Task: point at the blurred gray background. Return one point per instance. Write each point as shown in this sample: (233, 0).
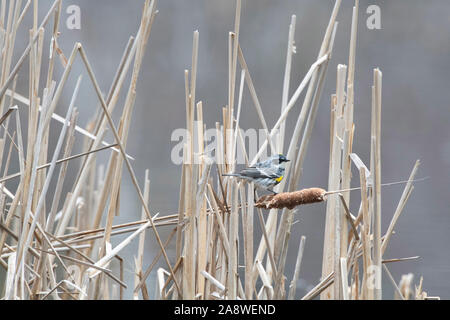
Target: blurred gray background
(412, 50)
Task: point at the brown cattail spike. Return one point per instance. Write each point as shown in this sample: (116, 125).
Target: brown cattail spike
(291, 199)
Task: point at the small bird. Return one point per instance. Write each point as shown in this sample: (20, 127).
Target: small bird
(266, 174)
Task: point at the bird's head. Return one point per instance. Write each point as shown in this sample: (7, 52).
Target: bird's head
(282, 158)
(278, 160)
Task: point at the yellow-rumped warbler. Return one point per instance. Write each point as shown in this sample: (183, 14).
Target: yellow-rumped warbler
(265, 174)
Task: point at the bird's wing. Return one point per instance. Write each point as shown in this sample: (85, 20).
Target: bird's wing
(259, 173)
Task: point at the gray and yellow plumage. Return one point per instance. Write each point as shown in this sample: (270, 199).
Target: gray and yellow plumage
(266, 174)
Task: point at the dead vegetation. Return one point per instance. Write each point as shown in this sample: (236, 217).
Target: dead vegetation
(45, 237)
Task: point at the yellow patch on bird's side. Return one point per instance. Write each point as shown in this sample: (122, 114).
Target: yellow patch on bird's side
(279, 179)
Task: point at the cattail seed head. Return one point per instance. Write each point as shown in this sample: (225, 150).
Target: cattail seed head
(291, 199)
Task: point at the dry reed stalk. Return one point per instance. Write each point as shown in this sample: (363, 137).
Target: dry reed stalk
(51, 217)
(40, 204)
(219, 220)
(146, 22)
(344, 278)
(349, 125)
(60, 119)
(248, 243)
(188, 284)
(327, 46)
(320, 287)
(376, 192)
(291, 104)
(398, 293)
(403, 199)
(140, 257)
(111, 124)
(101, 131)
(255, 99)
(291, 49)
(201, 205)
(365, 236)
(141, 285)
(208, 240)
(5, 82)
(293, 284)
(339, 217)
(332, 237)
(233, 238)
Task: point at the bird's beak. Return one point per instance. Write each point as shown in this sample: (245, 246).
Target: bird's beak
(287, 160)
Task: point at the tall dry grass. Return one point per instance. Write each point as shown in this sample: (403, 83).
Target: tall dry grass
(43, 236)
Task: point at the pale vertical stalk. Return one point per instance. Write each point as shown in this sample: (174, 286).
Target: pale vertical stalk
(232, 76)
(19, 191)
(287, 218)
(9, 283)
(286, 80)
(332, 239)
(248, 226)
(191, 184)
(201, 207)
(349, 126)
(210, 254)
(233, 238)
(2, 14)
(140, 257)
(50, 171)
(57, 194)
(312, 114)
(181, 209)
(51, 63)
(232, 61)
(31, 137)
(189, 236)
(192, 88)
(377, 179)
(126, 117)
(8, 48)
(31, 168)
(238, 117)
(44, 148)
(344, 276)
(365, 235)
